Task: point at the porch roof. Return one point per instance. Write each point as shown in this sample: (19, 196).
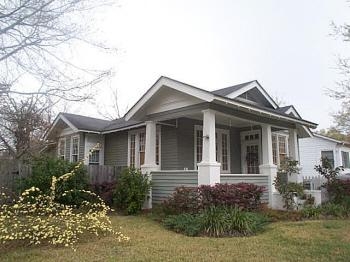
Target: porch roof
(215, 97)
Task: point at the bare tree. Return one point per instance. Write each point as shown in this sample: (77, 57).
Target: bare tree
(342, 92)
(34, 37)
(23, 121)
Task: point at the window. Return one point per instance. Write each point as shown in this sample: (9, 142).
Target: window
(62, 148)
(329, 155)
(132, 150)
(279, 148)
(137, 147)
(94, 158)
(75, 149)
(345, 159)
(222, 145)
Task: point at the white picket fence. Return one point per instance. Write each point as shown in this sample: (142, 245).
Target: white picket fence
(313, 182)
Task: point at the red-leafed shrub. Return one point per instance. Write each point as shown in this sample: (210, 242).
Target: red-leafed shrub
(339, 190)
(194, 199)
(243, 195)
(105, 190)
(183, 200)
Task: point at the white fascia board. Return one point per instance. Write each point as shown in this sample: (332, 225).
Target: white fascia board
(167, 82)
(329, 138)
(251, 86)
(64, 119)
(262, 111)
(293, 111)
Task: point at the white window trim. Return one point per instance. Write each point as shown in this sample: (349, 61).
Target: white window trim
(219, 131)
(59, 146)
(137, 145)
(244, 145)
(278, 134)
(71, 147)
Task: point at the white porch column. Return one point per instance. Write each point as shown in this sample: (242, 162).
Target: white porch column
(294, 152)
(267, 167)
(209, 169)
(150, 156)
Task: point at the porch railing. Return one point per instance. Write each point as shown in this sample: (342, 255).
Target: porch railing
(313, 182)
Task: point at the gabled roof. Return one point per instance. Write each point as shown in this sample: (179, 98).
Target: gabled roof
(228, 90)
(289, 110)
(237, 91)
(86, 123)
(332, 139)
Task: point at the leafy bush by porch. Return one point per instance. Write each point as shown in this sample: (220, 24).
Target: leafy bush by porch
(193, 200)
(131, 191)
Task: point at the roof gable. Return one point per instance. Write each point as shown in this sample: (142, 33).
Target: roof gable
(250, 92)
(172, 85)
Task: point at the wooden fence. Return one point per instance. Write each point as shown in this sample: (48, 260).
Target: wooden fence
(313, 182)
(11, 173)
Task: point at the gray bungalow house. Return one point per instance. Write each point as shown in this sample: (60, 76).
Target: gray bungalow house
(184, 135)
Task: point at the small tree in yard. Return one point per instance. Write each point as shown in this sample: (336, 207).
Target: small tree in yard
(288, 190)
(131, 191)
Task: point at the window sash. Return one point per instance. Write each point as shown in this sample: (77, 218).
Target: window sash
(94, 157)
(279, 148)
(329, 154)
(75, 149)
(62, 148)
(345, 159)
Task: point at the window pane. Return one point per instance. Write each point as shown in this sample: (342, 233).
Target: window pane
(274, 149)
(94, 158)
(329, 155)
(224, 149)
(199, 145)
(75, 149)
(61, 148)
(282, 148)
(157, 148)
(345, 159)
(132, 150)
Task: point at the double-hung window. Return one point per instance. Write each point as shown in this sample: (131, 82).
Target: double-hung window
(279, 148)
(62, 148)
(222, 147)
(74, 149)
(329, 155)
(345, 159)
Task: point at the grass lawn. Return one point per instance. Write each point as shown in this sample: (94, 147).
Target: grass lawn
(327, 240)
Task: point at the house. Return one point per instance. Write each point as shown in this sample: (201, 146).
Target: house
(233, 134)
(314, 148)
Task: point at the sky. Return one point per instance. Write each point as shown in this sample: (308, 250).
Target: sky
(285, 45)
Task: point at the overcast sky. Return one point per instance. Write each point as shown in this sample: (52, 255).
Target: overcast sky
(285, 45)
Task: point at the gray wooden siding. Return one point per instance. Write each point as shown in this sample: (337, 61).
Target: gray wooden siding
(260, 180)
(116, 149)
(165, 182)
(178, 146)
(169, 148)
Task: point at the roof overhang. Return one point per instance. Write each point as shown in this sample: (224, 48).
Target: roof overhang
(333, 140)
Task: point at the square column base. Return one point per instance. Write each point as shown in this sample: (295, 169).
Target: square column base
(271, 172)
(208, 173)
(147, 169)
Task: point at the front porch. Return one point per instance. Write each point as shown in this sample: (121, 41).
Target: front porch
(218, 148)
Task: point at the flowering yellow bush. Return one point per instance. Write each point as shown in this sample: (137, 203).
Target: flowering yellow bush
(36, 218)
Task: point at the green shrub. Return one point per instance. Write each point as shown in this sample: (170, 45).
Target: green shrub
(228, 221)
(311, 212)
(131, 191)
(44, 168)
(188, 224)
(215, 221)
(334, 210)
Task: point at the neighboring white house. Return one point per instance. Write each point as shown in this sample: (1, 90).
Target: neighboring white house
(312, 149)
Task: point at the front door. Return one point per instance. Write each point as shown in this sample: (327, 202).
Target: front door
(250, 142)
